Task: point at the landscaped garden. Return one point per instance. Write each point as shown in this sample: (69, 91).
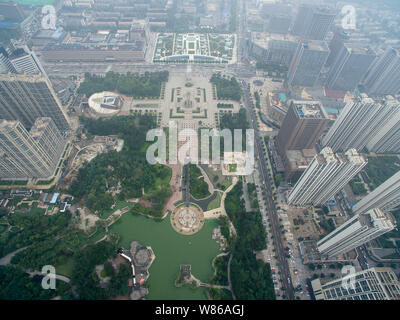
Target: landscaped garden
(198, 187)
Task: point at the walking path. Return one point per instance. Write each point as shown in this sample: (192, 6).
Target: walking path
(7, 259)
(214, 286)
(211, 188)
(58, 276)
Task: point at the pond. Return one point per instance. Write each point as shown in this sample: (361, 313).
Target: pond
(171, 250)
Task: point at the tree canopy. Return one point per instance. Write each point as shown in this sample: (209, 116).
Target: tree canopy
(147, 85)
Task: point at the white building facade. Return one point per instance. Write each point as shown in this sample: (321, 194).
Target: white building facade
(326, 175)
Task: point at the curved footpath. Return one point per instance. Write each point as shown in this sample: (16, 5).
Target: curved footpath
(7, 259)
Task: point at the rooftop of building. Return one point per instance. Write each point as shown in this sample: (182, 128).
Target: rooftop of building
(300, 159)
(7, 124)
(315, 45)
(324, 10)
(18, 53)
(309, 109)
(359, 48)
(355, 157)
(39, 126)
(263, 38)
(121, 46)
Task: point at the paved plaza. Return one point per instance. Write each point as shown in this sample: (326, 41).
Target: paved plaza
(187, 99)
(187, 220)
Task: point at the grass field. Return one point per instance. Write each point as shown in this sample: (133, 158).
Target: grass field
(216, 203)
(119, 205)
(66, 268)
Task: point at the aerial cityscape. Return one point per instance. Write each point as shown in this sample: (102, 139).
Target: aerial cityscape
(200, 150)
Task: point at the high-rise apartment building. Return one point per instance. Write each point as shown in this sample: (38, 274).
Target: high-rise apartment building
(355, 232)
(313, 22)
(25, 155)
(326, 175)
(307, 63)
(350, 65)
(303, 125)
(28, 97)
(370, 284)
(361, 122)
(5, 63)
(46, 135)
(335, 45)
(21, 60)
(386, 196)
(388, 138)
(383, 77)
(26, 61)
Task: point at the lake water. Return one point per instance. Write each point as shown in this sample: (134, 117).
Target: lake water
(171, 250)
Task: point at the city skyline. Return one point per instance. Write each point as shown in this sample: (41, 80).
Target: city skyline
(118, 180)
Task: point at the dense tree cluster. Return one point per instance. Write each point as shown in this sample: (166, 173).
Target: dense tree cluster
(198, 187)
(129, 167)
(15, 284)
(87, 282)
(235, 121)
(327, 224)
(227, 88)
(357, 186)
(33, 228)
(251, 278)
(257, 98)
(147, 85)
(221, 267)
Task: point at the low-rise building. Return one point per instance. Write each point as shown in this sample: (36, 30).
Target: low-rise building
(370, 284)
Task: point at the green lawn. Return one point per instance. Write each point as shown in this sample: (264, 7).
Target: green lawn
(119, 205)
(233, 167)
(66, 268)
(216, 203)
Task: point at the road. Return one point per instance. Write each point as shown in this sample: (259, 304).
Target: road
(266, 186)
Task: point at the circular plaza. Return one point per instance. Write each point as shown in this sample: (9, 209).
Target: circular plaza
(187, 220)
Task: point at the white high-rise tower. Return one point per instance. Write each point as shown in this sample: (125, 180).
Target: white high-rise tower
(325, 176)
(386, 196)
(361, 122)
(355, 232)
